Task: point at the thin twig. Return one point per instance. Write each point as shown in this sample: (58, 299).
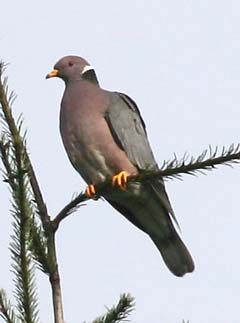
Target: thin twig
(68, 209)
(42, 208)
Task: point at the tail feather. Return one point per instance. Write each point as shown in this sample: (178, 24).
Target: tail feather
(175, 255)
(148, 207)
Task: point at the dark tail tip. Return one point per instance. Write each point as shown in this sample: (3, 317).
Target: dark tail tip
(175, 255)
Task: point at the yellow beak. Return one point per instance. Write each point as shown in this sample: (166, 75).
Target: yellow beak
(53, 73)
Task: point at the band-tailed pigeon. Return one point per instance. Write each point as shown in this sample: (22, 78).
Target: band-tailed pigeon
(105, 137)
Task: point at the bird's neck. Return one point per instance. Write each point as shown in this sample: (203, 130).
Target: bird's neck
(80, 84)
(86, 79)
(90, 76)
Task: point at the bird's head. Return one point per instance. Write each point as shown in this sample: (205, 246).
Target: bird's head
(71, 68)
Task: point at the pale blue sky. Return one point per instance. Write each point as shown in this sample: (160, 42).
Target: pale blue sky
(179, 60)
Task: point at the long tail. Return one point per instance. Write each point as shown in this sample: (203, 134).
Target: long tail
(150, 210)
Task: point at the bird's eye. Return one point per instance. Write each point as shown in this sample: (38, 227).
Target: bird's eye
(70, 64)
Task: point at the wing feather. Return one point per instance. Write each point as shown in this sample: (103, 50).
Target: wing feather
(128, 129)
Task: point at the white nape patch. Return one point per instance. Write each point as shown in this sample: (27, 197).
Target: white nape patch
(87, 68)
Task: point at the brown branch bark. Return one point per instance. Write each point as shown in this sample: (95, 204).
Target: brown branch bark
(54, 279)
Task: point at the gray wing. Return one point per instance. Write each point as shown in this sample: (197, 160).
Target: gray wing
(128, 129)
(129, 132)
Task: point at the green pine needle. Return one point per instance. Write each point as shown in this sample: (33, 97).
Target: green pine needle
(39, 248)
(6, 309)
(13, 154)
(120, 312)
(208, 160)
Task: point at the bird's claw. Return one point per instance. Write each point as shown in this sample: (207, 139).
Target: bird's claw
(90, 191)
(120, 180)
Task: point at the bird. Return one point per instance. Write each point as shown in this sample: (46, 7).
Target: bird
(105, 137)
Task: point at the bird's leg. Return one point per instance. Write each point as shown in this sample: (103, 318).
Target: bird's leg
(120, 180)
(90, 191)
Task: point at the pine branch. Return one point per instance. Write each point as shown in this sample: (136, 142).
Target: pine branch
(11, 130)
(175, 168)
(207, 161)
(19, 173)
(120, 312)
(6, 309)
(16, 174)
(22, 211)
(22, 264)
(39, 248)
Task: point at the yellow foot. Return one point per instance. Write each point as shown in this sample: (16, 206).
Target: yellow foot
(90, 191)
(120, 180)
